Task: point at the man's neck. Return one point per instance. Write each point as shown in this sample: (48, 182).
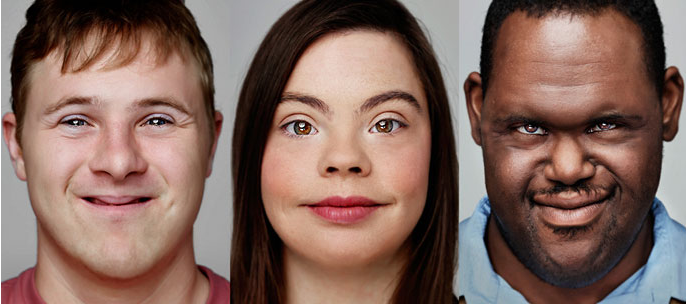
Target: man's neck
(535, 290)
(60, 279)
(310, 283)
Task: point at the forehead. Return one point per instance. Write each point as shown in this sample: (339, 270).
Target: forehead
(563, 57)
(355, 65)
(146, 76)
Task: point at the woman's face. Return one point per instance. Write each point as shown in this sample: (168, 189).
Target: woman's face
(346, 166)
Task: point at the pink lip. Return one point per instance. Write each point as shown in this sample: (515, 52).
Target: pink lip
(347, 210)
(116, 200)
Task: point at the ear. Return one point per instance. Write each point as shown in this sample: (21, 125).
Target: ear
(672, 98)
(9, 130)
(473, 91)
(218, 121)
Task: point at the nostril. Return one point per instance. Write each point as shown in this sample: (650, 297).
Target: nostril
(355, 169)
(331, 170)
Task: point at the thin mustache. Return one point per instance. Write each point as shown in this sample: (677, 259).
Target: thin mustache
(580, 188)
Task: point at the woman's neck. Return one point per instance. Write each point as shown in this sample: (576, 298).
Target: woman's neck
(310, 282)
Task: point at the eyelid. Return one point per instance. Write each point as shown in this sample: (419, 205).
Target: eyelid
(540, 131)
(69, 117)
(291, 124)
(166, 117)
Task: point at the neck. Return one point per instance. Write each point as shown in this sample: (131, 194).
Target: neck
(309, 282)
(535, 290)
(62, 279)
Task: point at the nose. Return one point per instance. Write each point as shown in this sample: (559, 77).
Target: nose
(568, 162)
(344, 157)
(118, 154)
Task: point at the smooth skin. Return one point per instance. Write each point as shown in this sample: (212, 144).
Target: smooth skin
(569, 105)
(346, 147)
(136, 130)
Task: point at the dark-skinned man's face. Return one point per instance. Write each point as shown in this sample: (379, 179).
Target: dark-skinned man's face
(571, 128)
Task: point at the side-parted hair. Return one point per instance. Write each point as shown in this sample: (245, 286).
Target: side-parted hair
(83, 32)
(643, 13)
(257, 274)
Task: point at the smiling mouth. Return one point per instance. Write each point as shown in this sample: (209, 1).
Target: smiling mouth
(116, 201)
(572, 208)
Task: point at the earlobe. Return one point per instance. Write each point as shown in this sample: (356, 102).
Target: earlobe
(218, 121)
(473, 91)
(9, 129)
(672, 98)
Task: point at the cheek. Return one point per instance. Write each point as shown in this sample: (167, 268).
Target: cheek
(284, 168)
(404, 169)
(508, 170)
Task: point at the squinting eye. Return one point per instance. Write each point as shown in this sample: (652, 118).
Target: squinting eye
(300, 128)
(531, 129)
(603, 126)
(157, 121)
(386, 126)
(75, 122)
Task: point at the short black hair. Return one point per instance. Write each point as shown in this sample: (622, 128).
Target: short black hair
(643, 13)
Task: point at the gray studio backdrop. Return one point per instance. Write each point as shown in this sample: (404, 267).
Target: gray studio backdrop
(233, 29)
(671, 191)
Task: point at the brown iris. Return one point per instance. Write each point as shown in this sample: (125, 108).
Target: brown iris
(302, 128)
(384, 126)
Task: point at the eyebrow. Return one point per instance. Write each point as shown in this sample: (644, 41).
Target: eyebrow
(165, 102)
(74, 100)
(368, 104)
(143, 103)
(376, 100)
(308, 100)
(513, 119)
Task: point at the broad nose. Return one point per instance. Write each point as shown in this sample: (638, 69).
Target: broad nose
(569, 162)
(345, 156)
(118, 154)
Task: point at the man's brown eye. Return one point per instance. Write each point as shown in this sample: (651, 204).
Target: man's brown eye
(531, 129)
(603, 126)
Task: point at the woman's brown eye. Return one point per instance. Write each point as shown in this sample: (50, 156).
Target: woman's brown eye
(386, 126)
(300, 128)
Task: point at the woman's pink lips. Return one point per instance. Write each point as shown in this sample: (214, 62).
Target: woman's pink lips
(347, 210)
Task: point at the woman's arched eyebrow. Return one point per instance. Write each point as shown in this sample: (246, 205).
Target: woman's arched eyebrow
(368, 104)
(376, 100)
(308, 100)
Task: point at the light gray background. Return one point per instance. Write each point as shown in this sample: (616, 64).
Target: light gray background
(236, 28)
(671, 191)
(212, 231)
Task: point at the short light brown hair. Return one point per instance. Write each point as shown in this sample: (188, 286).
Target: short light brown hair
(84, 31)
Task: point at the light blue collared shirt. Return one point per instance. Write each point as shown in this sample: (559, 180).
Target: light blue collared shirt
(661, 278)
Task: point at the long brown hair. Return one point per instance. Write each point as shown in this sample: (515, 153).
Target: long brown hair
(256, 255)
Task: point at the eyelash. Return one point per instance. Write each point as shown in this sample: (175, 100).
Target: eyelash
(69, 120)
(395, 126)
(594, 129)
(289, 128)
(77, 121)
(163, 119)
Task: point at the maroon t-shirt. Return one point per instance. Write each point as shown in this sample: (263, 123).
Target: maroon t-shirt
(22, 289)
